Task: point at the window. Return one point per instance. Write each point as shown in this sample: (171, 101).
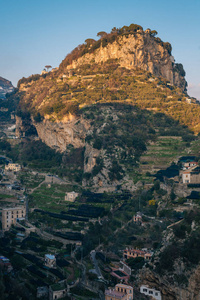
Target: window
(144, 290)
(130, 291)
(156, 294)
(151, 292)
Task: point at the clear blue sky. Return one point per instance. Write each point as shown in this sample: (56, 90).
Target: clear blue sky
(35, 33)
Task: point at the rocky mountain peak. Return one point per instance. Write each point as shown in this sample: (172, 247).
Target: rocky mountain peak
(5, 87)
(132, 49)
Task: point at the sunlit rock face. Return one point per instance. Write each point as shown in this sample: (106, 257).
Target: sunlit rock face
(138, 51)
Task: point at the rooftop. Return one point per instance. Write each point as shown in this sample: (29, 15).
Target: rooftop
(50, 256)
(121, 285)
(114, 293)
(58, 286)
(14, 208)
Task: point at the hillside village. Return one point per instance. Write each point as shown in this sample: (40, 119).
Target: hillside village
(100, 176)
(26, 229)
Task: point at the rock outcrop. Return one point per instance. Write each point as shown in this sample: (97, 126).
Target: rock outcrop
(59, 135)
(138, 51)
(5, 87)
(171, 290)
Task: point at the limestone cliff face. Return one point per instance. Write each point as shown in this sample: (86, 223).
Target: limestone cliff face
(90, 158)
(140, 50)
(59, 135)
(169, 289)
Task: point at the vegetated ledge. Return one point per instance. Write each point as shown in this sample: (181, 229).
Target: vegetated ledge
(63, 101)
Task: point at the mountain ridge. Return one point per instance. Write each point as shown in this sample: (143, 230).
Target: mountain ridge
(134, 49)
(83, 103)
(5, 87)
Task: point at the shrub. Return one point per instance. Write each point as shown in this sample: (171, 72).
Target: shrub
(38, 118)
(179, 231)
(97, 143)
(136, 263)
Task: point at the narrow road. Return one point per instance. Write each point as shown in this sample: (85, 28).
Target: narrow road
(95, 263)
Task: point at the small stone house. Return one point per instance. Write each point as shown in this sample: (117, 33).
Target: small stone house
(71, 196)
(138, 218)
(50, 261)
(133, 253)
(57, 291)
(191, 175)
(13, 167)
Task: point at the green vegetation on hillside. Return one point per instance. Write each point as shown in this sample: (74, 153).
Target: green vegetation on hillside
(123, 133)
(38, 156)
(184, 245)
(106, 83)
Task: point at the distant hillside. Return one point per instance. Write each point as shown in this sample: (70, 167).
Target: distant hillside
(5, 87)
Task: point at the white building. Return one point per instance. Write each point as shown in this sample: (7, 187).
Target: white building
(189, 164)
(150, 292)
(71, 196)
(191, 175)
(186, 176)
